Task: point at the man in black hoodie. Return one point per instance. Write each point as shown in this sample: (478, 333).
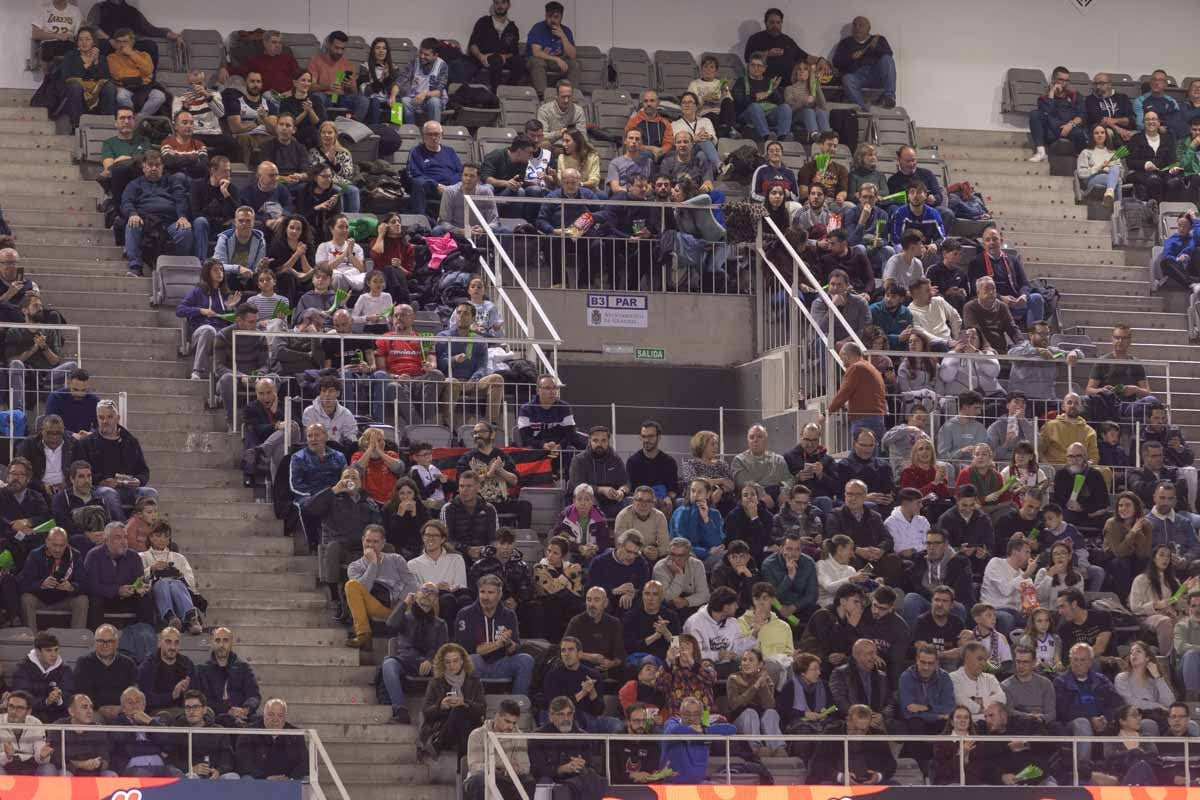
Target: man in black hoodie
(495, 43)
(229, 681)
(600, 467)
(813, 467)
(276, 757)
(650, 624)
(45, 677)
(116, 457)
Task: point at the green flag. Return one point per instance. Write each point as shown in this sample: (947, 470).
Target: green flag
(228, 317)
(6, 560)
(1121, 153)
(665, 772)
(397, 114)
(339, 297)
(778, 606)
(895, 197)
(1077, 486)
(45, 527)
(1030, 773)
(281, 310)
(822, 161)
(388, 312)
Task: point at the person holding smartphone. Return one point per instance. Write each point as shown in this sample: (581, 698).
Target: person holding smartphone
(454, 704)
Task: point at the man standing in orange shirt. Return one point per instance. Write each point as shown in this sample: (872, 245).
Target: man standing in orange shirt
(862, 393)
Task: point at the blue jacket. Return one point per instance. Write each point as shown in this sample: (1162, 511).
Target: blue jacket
(473, 367)
(550, 217)
(472, 628)
(196, 299)
(930, 223)
(255, 198)
(800, 591)
(689, 759)
(1062, 109)
(103, 576)
(38, 567)
(968, 209)
(1180, 534)
(686, 522)
(1176, 245)
(857, 232)
(310, 474)
(231, 685)
(223, 252)
(1093, 697)
(892, 322)
(937, 693)
(166, 199)
(441, 167)
(78, 414)
(1166, 106)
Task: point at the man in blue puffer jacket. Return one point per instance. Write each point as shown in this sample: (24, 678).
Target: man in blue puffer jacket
(689, 760)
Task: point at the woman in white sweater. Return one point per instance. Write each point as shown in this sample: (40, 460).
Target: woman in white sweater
(1059, 576)
(958, 375)
(1150, 597)
(1098, 173)
(172, 581)
(834, 569)
(1142, 685)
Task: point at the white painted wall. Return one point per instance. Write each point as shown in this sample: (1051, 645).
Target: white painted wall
(952, 55)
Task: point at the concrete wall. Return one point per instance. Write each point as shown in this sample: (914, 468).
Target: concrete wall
(694, 329)
(951, 55)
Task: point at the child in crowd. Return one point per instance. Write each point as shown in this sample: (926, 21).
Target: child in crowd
(428, 477)
(1111, 452)
(999, 653)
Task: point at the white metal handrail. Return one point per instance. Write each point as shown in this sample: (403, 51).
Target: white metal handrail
(495, 750)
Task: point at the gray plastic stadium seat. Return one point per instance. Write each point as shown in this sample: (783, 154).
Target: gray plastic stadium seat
(593, 68)
(633, 77)
(729, 65)
(459, 139)
(516, 111)
(673, 78)
(489, 139)
(416, 222)
(519, 92)
(303, 46)
(891, 130)
(74, 637)
(93, 130)
(1081, 82)
(357, 49)
(794, 156)
(435, 435)
(1022, 88)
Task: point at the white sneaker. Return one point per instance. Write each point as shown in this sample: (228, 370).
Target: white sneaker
(196, 376)
(1038, 157)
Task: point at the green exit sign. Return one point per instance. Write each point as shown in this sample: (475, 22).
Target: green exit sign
(650, 354)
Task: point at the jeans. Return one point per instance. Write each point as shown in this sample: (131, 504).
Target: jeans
(358, 105)
(153, 102)
(779, 116)
(419, 408)
(814, 119)
(171, 597)
(1189, 665)
(915, 605)
(182, 243)
(16, 379)
(709, 151)
(74, 108)
(1035, 309)
(351, 199)
(873, 424)
(750, 723)
(517, 667)
(1045, 132)
(881, 74)
(424, 194)
(1008, 620)
(1109, 180)
(393, 672)
(200, 233)
(430, 109)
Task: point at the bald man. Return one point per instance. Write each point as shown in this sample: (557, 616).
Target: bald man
(228, 682)
(600, 633)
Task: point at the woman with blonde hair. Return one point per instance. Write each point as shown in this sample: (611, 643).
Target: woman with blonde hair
(578, 153)
(706, 463)
(807, 100)
(929, 476)
(454, 704)
(864, 168)
(330, 152)
(378, 466)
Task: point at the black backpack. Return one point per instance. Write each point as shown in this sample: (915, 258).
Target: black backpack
(741, 163)
(473, 95)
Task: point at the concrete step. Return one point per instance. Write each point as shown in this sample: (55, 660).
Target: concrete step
(45, 189)
(227, 544)
(195, 421)
(234, 506)
(1002, 179)
(402, 735)
(1006, 207)
(29, 141)
(16, 97)
(268, 600)
(21, 217)
(97, 296)
(334, 675)
(1077, 241)
(138, 368)
(1102, 302)
(340, 695)
(133, 316)
(1135, 319)
(1012, 224)
(1146, 336)
(1029, 199)
(281, 618)
(104, 384)
(85, 203)
(283, 581)
(28, 127)
(958, 153)
(1064, 255)
(372, 753)
(226, 497)
(74, 236)
(195, 460)
(191, 441)
(289, 565)
(1071, 270)
(382, 774)
(1181, 351)
(1072, 287)
(36, 155)
(31, 113)
(161, 350)
(215, 478)
(83, 270)
(931, 137)
(331, 635)
(314, 657)
(63, 284)
(104, 335)
(384, 791)
(15, 170)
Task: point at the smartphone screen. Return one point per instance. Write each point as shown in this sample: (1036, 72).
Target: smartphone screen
(20, 273)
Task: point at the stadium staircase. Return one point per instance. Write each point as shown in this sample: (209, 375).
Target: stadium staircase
(1099, 285)
(250, 574)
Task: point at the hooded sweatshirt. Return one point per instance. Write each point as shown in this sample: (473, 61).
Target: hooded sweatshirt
(716, 636)
(340, 424)
(907, 534)
(39, 681)
(774, 639)
(689, 759)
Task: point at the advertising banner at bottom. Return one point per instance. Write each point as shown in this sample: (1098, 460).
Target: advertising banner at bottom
(785, 792)
(21, 787)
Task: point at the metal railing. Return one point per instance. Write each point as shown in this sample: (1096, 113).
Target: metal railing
(495, 757)
(614, 263)
(56, 736)
(546, 348)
